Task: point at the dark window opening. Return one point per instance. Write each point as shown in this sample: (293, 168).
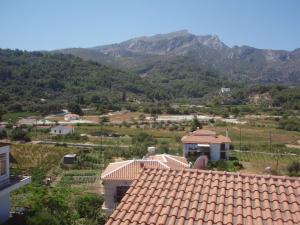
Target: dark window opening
(121, 191)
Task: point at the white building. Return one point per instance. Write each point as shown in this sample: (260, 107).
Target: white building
(7, 183)
(205, 142)
(118, 176)
(62, 130)
(71, 117)
(225, 90)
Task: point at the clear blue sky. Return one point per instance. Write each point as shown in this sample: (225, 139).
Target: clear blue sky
(53, 24)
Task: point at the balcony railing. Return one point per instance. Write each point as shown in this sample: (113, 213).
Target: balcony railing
(13, 181)
(4, 182)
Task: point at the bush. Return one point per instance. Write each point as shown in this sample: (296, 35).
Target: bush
(88, 205)
(195, 124)
(225, 165)
(294, 169)
(3, 134)
(44, 218)
(19, 135)
(291, 124)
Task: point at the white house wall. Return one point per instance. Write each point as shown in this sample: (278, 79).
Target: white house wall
(110, 189)
(62, 131)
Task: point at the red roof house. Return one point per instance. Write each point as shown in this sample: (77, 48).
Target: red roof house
(190, 197)
(118, 176)
(205, 142)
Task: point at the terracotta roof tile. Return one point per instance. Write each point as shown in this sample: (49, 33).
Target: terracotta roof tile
(128, 170)
(192, 139)
(164, 196)
(202, 132)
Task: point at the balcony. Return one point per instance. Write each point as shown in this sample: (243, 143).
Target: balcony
(12, 183)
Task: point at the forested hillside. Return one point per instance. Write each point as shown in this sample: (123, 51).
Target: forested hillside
(28, 77)
(44, 82)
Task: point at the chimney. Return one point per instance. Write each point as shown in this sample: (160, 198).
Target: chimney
(226, 132)
(151, 150)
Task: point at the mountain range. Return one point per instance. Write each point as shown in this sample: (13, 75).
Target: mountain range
(146, 57)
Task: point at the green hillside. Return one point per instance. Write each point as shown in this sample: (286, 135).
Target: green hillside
(28, 77)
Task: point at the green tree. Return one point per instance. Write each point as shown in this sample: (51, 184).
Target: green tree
(140, 142)
(195, 124)
(104, 119)
(2, 112)
(75, 108)
(19, 135)
(88, 205)
(43, 218)
(3, 134)
(294, 168)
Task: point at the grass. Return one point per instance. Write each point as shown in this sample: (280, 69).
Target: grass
(255, 138)
(14, 117)
(256, 163)
(32, 158)
(252, 135)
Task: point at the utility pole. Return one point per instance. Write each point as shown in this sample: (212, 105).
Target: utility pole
(101, 135)
(270, 141)
(101, 143)
(35, 128)
(240, 138)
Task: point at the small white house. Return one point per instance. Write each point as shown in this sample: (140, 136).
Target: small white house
(71, 117)
(63, 130)
(118, 176)
(205, 142)
(225, 90)
(8, 183)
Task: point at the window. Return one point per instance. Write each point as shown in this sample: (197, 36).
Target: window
(2, 164)
(121, 190)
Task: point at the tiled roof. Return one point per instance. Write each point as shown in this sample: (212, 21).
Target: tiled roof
(196, 139)
(201, 132)
(62, 127)
(161, 196)
(173, 162)
(71, 115)
(129, 170)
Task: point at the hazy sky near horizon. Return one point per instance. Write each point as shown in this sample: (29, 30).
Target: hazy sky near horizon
(55, 24)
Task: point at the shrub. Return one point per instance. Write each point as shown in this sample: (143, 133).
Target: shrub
(87, 205)
(3, 134)
(292, 124)
(19, 135)
(44, 218)
(294, 168)
(195, 124)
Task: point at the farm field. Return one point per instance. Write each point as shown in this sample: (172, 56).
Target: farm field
(255, 137)
(44, 161)
(253, 155)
